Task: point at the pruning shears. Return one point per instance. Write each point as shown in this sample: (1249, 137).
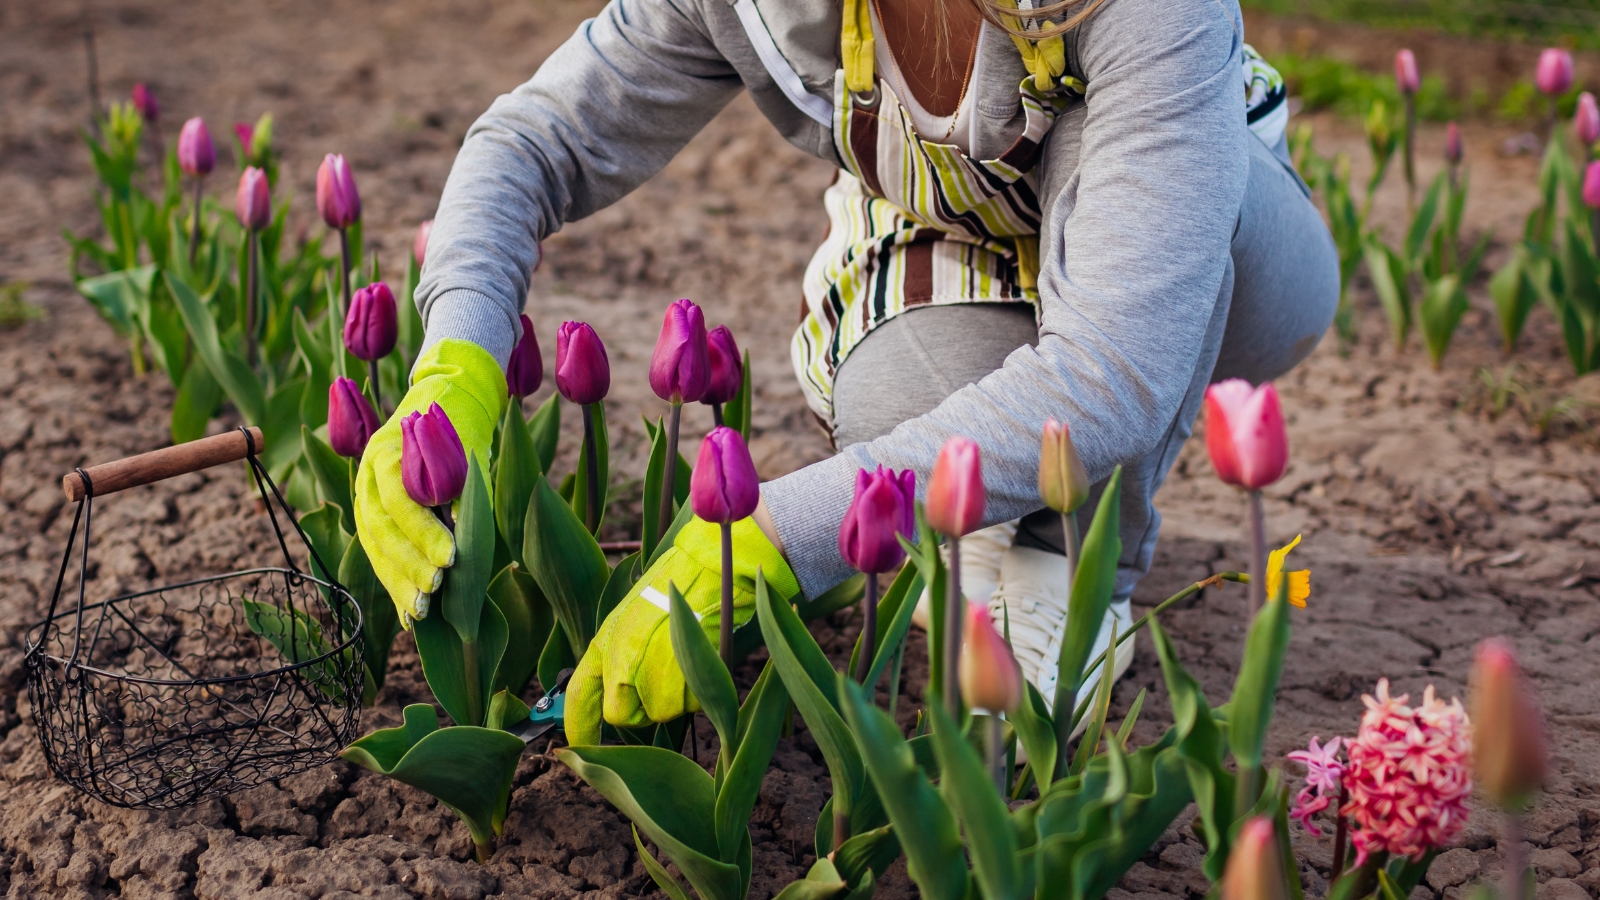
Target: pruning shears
(547, 711)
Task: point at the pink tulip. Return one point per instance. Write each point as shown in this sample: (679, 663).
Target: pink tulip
(1453, 150)
(990, 678)
(337, 198)
(1405, 72)
(525, 370)
(246, 133)
(253, 203)
(679, 367)
(372, 324)
(884, 508)
(727, 366)
(419, 247)
(1591, 185)
(955, 492)
(724, 487)
(583, 372)
(1509, 749)
(145, 103)
(1255, 869)
(1586, 121)
(351, 419)
(1245, 433)
(197, 155)
(1554, 75)
(433, 464)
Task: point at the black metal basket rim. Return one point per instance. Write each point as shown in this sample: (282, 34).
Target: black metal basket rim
(36, 656)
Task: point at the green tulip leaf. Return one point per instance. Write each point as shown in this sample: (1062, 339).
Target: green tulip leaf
(969, 790)
(237, 380)
(895, 607)
(622, 579)
(379, 621)
(280, 431)
(760, 723)
(1037, 734)
(704, 674)
(195, 404)
(658, 872)
(580, 483)
(1092, 588)
(822, 882)
(318, 362)
(517, 467)
(654, 480)
(298, 638)
(556, 655)
(324, 528)
(1201, 745)
(545, 429)
(528, 624)
(1250, 710)
(332, 473)
(565, 560)
(466, 583)
(460, 673)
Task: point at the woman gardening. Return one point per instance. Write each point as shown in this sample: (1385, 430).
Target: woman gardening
(1083, 211)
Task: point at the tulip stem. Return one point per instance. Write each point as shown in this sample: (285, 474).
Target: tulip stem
(591, 459)
(1341, 832)
(716, 415)
(1410, 151)
(997, 759)
(952, 629)
(670, 473)
(1072, 545)
(869, 629)
(372, 375)
(252, 265)
(1258, 554)
(894, 676)
(344, 271)
(1515, 860)
(725, 642)
(442, 513)
(194, 227)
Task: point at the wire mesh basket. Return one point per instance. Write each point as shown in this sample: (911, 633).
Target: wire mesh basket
(156, 698)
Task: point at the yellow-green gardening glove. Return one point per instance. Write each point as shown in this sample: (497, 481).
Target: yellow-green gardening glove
(630, 674)
(408, 546)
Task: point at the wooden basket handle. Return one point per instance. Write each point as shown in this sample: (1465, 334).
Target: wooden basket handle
(147, 468)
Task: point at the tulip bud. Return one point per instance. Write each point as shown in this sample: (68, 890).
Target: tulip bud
(724, 487)
(884, 507)
(1586, 121)
(1508, 731)
(372, 324)
(1255, 869)
(1063, 482)
(727, 366)
(246, 133)
(419, 247)
(433, 464)
(1377, 125)
(525, 370)
(197, 155)
(145, 103)
(955, 492)
(337, 198)
(351, 419)
(583, 373)
(1405, 72)
(1591, 185)
(679, 367)
(1453, 150)
(1554, 75)
(1245, 434)
(253, 203)
(990, 678)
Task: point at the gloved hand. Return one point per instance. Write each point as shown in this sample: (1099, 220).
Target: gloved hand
(630, 673)
(408, 546)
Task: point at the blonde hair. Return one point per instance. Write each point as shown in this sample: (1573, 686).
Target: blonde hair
(1010, 18)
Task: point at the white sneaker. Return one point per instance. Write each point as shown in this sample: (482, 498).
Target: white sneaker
(981, 553)
(1033, 593)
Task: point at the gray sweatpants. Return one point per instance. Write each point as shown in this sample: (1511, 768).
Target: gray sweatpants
(1278, 298)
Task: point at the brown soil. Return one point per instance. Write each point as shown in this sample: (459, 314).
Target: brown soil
(1429, 524)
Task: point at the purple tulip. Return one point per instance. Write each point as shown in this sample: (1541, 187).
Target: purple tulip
(884, 507)
(246, 133)
(145, 103)
(372, 325)
(419, 248)
(727, 366)
(525, 371)
(351, 419)
(1453, 150)
(1591, 185)
(1586, 121)
(337, 198)
(724, 487)
(253, 203)
(433, 464)
(679, 368)
(1405, 72)
(1554, 75)
(583, 373)
(197, 155)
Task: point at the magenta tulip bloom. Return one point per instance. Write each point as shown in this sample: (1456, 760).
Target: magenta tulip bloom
(525, 370)
(583, 373)
(1591, 185)
(955, 492)
(1586, 121)
(351, 419)
(679, 367)
(372, 324)
(253, 203)
(433, 464)
(419, 246)
(884, 507)
(337, 198)
(1554, 75)
(1245, 433)
(145, 103)
(246, 133)
(1405, 72)
(727, 366)
(724, 487)
(197, 155)
(1453, 150)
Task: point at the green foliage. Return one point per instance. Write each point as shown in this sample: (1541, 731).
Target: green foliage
(1322, 82)
(563, 557)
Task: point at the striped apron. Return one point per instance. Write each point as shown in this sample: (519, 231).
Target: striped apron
(916, 223)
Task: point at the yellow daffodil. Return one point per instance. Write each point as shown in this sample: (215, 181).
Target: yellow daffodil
(1299, 582)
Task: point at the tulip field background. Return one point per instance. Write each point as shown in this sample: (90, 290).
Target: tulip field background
(1438, 508)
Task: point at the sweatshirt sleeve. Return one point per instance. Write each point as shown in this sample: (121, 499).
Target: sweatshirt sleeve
(1138, 219)
(603, 113)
